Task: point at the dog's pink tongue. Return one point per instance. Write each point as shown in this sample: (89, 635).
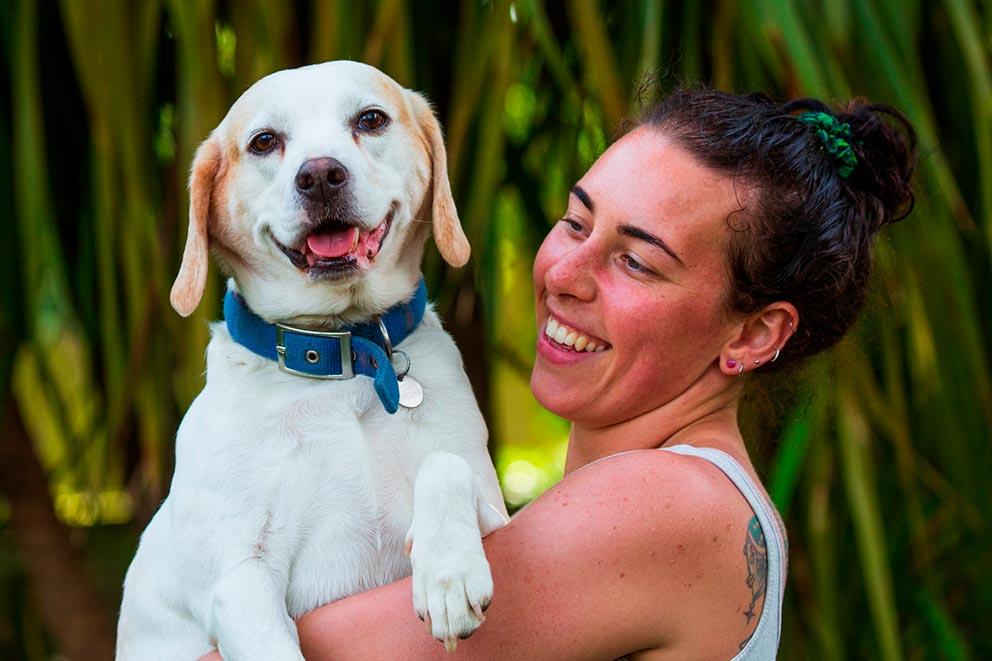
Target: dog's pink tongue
(329, 245)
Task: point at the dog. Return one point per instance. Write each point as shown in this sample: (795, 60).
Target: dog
(316, 194)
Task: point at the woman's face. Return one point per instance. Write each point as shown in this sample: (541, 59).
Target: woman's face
(631, 283)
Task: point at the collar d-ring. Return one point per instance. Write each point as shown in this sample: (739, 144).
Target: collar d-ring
(386, 342)
(388, 346)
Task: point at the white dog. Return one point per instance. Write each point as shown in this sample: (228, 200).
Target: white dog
(316, 192)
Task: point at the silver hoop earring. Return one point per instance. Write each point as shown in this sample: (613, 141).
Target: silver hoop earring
(740, 370)
(777, 352)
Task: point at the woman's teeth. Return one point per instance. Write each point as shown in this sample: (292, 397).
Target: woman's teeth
(562, 334)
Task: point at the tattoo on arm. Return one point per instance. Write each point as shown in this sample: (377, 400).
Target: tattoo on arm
(756, 555)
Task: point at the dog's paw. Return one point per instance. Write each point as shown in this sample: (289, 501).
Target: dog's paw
(452, 585)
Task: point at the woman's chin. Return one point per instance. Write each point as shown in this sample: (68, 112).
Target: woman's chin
(555, 395)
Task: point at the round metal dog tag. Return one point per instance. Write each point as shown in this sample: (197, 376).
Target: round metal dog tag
(411, 392)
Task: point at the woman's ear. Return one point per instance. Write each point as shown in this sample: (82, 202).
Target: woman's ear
(448, 234)
(760, 339)
(187, 290)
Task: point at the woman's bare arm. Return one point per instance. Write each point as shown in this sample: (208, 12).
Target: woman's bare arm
(611, 560)
(601, 565)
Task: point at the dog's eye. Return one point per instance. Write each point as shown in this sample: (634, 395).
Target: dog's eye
(371, 120)
(263, 142)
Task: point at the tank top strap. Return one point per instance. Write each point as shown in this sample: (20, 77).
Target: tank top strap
(763, 643)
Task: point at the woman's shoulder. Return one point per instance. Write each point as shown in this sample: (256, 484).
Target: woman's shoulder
(671, 529)
(657, 481)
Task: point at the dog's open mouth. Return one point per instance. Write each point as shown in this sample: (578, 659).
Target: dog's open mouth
(335, 249)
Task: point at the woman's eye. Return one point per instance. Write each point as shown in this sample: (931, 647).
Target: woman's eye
(573, 225)
(635, 265)
(263, 142)
(371, 120)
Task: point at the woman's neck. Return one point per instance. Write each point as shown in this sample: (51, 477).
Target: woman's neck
(706, 412)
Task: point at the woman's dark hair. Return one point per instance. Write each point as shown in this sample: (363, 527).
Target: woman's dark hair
(805, 233)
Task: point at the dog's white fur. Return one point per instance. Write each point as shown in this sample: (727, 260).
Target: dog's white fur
(292, 492)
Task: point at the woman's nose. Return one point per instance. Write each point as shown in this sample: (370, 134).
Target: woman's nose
(573, 273)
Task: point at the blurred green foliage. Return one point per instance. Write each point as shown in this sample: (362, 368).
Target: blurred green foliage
(878, 457)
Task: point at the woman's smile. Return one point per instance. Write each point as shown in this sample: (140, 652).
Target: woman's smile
(563, 342)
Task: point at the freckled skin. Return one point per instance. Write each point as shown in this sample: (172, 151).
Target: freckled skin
(582, 275)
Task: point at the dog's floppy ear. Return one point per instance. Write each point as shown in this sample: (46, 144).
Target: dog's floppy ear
(187, 290)
(448, 234)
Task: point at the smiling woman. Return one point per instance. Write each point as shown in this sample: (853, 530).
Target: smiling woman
(638, 262)
(720, 236)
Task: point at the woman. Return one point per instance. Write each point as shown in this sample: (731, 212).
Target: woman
(722, 235)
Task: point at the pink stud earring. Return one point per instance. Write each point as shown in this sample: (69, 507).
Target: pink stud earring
(731, 363)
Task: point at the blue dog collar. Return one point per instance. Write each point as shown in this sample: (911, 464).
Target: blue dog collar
(364, 349)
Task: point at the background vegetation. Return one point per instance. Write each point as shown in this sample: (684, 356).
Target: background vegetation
(878, 458)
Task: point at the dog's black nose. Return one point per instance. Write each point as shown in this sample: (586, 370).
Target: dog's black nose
(321, 178)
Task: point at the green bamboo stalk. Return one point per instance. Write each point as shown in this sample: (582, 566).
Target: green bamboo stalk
(474, 52)
(598, 58)
(386, 19)
(692, 41)
(550, 50)
(791, 456)
(821, 545)
(400, 55)
(42, 264)
(837, 21)
(809, 68)
(262, 30)
(324, 44)
(855, 439)
(724, 28)
(651, 32)
(976, 56)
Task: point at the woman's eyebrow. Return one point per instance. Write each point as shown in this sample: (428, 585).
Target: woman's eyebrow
(583, 196)
(638, 233)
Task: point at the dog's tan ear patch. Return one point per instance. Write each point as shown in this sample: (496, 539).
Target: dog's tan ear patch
(448, 234)
(188, 288)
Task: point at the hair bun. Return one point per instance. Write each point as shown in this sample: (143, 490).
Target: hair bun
(885, 143)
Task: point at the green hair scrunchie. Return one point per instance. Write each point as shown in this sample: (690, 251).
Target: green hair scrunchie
(836, 137)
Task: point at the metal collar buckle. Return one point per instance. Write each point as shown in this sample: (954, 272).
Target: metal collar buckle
(344, 341)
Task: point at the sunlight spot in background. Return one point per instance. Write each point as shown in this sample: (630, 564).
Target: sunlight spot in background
(226, 47)
(519, 106)
(85, 508)
(525, 472)
(521, 478)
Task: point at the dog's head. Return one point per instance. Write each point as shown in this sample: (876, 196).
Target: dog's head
(316, 192)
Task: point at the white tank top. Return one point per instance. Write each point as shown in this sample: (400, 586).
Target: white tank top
(763, 643)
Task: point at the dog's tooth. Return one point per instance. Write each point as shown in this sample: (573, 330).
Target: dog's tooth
(354, 240)
(580, 342)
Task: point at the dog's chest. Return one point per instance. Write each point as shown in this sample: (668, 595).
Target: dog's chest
(336, 478)
(354, 528)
